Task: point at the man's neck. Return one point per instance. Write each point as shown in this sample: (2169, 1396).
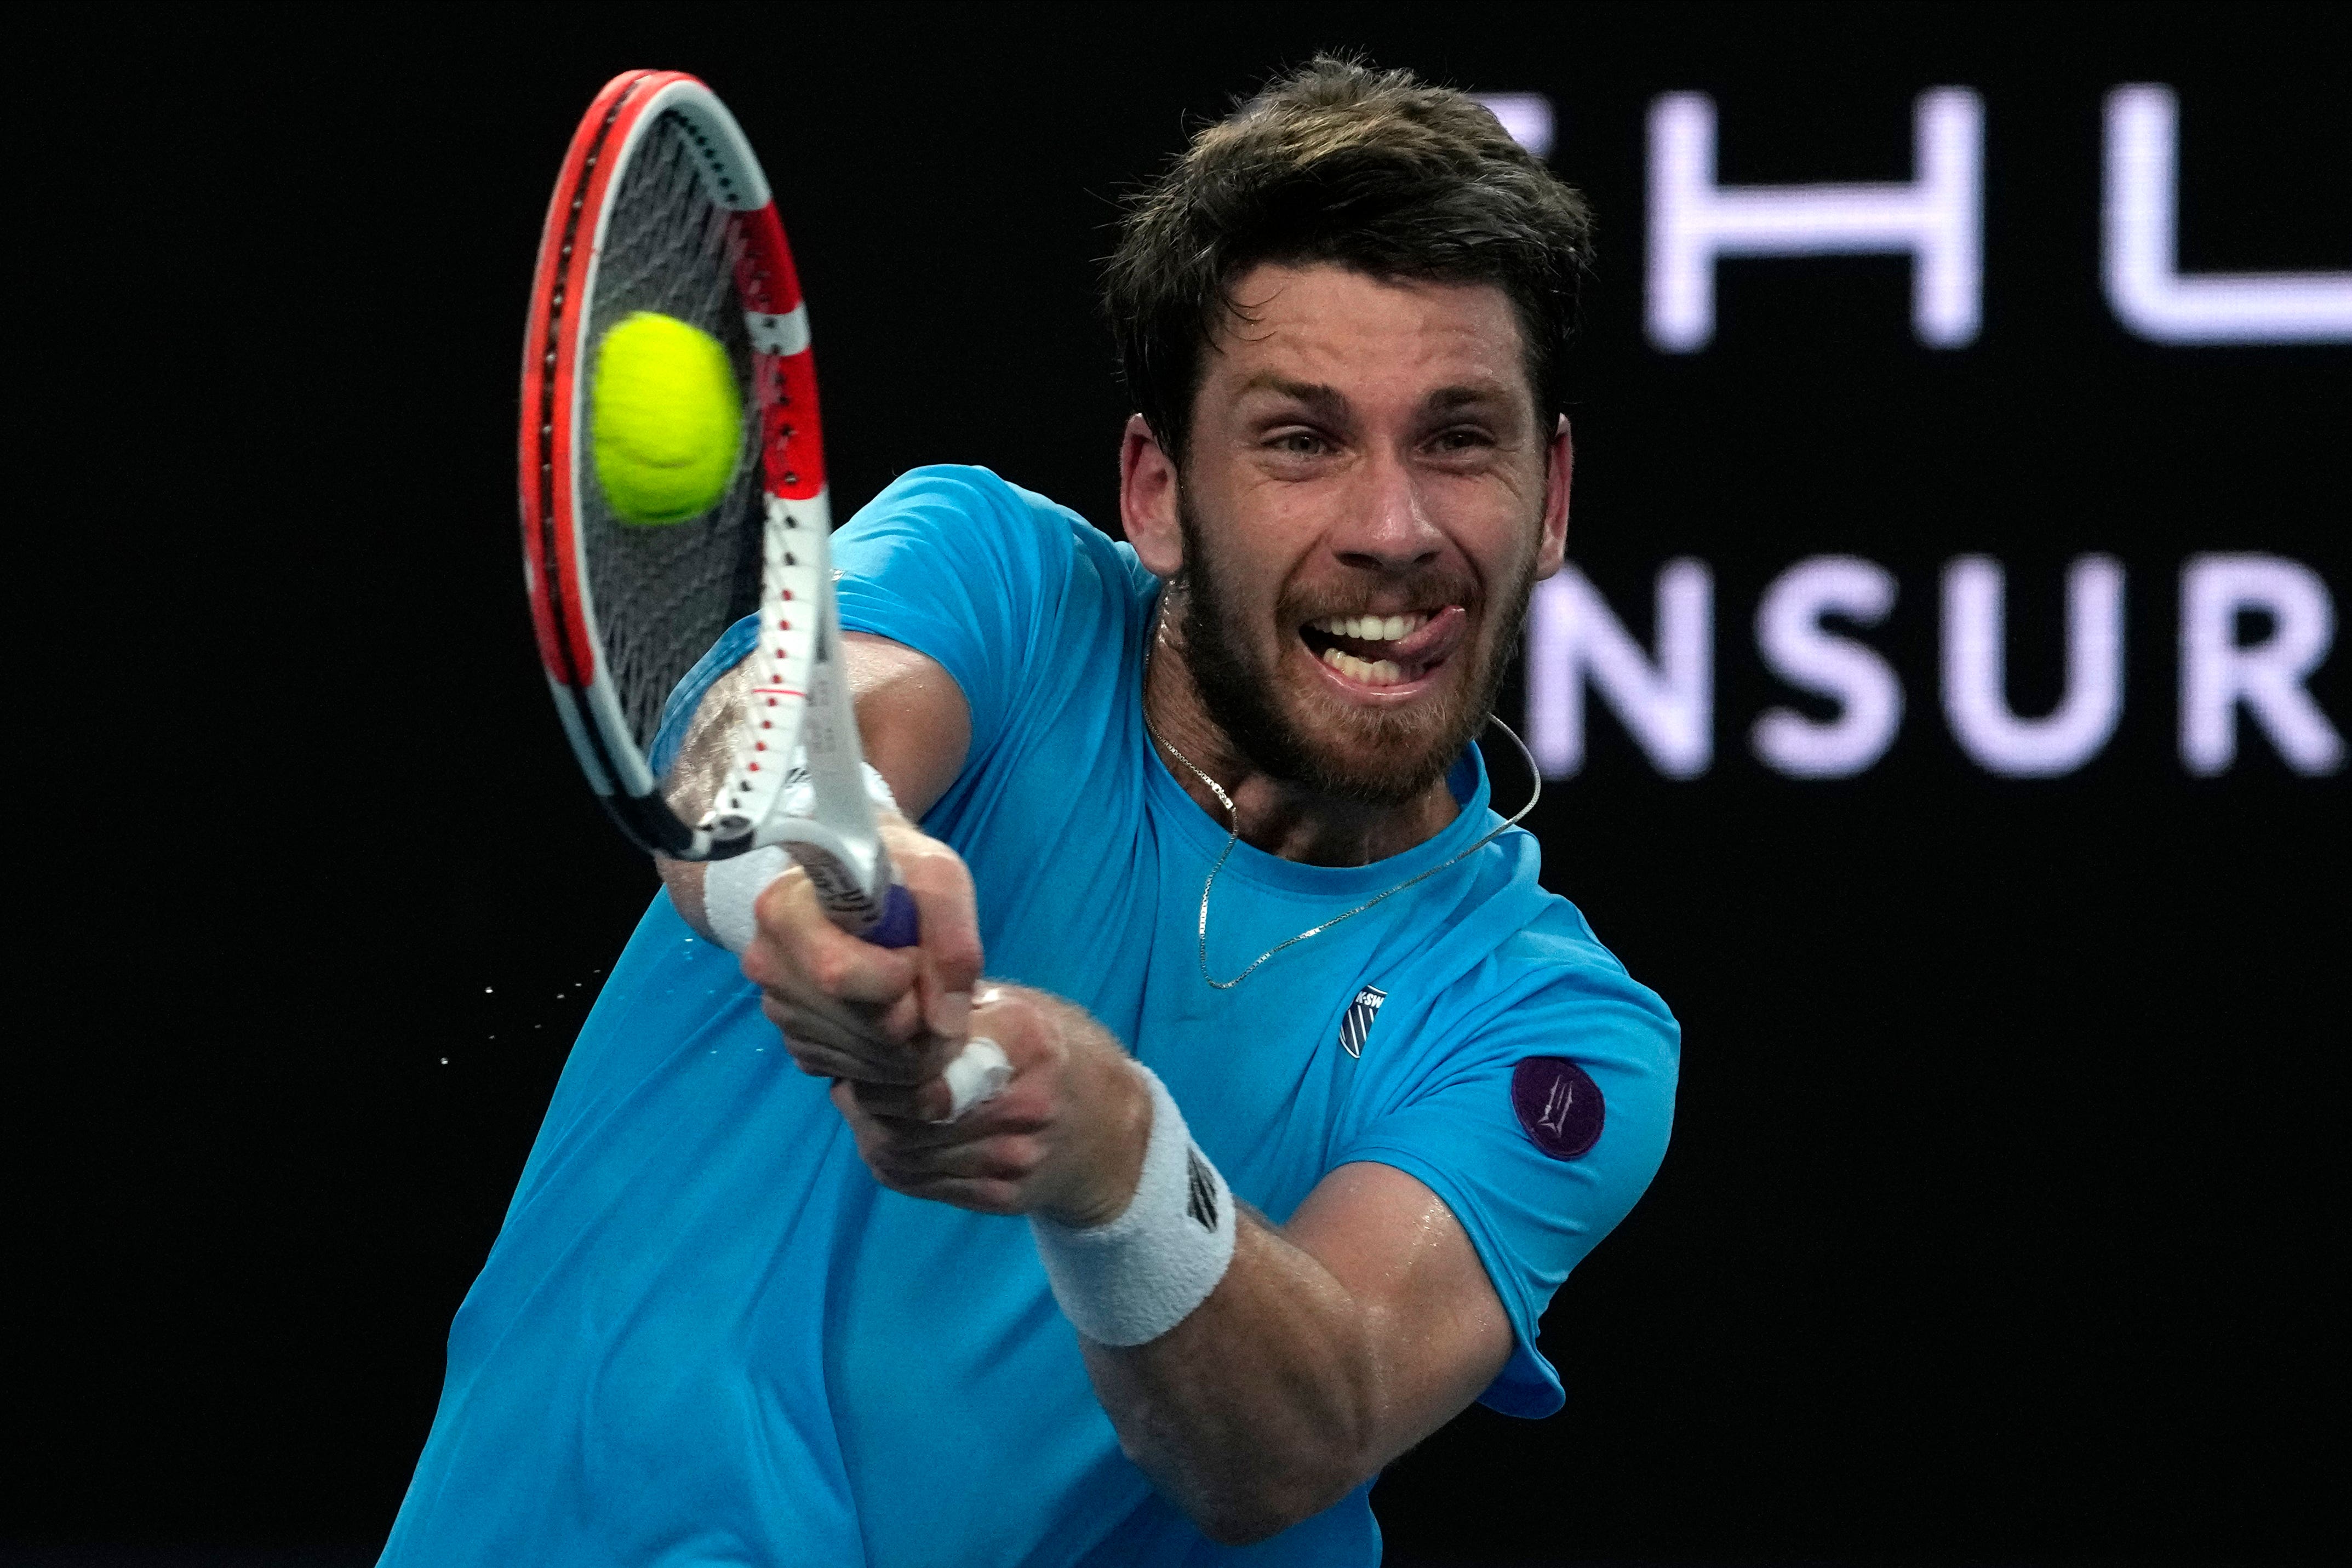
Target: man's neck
(1279, 816)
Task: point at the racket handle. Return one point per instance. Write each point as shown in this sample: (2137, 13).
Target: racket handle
(981, 1068)
(897, 928)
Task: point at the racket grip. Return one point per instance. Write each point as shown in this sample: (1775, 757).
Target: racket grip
(981, 1068)
(897, 928)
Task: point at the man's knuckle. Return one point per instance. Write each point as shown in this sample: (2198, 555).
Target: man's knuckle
(1015, 1157)
(940, 869)
(773, 904)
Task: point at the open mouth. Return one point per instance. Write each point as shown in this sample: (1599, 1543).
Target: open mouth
(1378, 650)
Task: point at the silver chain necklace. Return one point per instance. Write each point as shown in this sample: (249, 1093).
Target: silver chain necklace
(1234, 837)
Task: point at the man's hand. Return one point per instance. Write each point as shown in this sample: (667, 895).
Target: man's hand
(872, 1015)
(1065, 1139)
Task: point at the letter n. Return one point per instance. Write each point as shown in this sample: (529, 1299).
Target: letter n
(1667, 703)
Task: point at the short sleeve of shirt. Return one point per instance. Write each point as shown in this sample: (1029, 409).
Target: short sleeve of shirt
(960, 566)
(1454, 1122)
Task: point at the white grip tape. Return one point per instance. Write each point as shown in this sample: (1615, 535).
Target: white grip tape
(731, 888)
(1139, 1276)
(977, 1074)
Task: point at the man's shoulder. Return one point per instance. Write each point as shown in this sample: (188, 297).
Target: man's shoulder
(1556, 957)
(1501, 918)
(980, 494)
(1557, 940)
(965, 506)
(1527, 957)
(1026, 606)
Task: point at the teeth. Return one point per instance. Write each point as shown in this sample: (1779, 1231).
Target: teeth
(1371, 628)
(1370, 672)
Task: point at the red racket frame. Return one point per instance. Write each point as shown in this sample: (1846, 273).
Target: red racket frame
(550, 466)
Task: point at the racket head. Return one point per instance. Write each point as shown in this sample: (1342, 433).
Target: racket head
(661, 206)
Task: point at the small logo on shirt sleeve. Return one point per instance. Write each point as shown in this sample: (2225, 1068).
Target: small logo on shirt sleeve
(1557, 1104)
(1356, 1026)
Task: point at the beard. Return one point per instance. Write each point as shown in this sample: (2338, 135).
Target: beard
(1380, 758)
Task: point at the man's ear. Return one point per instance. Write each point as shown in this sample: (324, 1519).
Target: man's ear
(1560, 468)
(1148, 501)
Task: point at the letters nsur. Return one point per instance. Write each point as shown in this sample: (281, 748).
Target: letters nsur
(1664, 694)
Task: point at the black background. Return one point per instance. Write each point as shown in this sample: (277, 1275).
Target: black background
(2006, 1170)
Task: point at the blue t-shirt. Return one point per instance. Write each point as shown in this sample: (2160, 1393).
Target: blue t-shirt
(706, 1335)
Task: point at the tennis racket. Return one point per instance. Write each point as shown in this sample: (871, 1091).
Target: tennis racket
(661, 206)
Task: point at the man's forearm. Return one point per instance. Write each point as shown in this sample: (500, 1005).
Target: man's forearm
(1321, 1351)
(913, 725)
(1264, 1406)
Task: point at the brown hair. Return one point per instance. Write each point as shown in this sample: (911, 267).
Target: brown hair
(1344, 163)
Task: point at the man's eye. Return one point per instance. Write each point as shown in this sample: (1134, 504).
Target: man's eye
(1461, 440)
(1299, 443)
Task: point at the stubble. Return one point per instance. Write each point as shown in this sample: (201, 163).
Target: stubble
(1370, 757)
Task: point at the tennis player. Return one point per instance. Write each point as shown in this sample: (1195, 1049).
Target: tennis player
(1319, 1096)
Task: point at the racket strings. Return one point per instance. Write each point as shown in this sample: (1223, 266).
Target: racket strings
(664, 594)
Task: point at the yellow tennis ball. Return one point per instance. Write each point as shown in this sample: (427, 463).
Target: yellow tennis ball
(667, 425)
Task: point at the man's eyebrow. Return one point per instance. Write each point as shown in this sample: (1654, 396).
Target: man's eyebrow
(1324, 400)
(1330, 402)
(1446, 398)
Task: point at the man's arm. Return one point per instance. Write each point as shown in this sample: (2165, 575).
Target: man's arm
(1331, 1344)
(850, 1009)
(912, 721)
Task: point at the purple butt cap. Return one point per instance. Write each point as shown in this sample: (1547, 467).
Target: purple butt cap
(897, 926)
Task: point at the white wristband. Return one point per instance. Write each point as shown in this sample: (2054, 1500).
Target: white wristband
(732, 886)
(1138, 1277)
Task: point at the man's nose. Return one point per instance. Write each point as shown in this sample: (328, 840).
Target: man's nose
(1386, 526)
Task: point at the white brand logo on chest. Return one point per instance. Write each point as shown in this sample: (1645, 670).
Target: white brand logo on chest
(1357, 1023)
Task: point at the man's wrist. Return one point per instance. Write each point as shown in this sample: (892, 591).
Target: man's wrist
(1124, 1120)
(1132, 1280)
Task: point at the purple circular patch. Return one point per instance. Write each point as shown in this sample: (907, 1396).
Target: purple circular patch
(1557, 1104)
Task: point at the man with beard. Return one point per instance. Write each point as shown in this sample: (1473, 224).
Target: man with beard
(1318, 1096)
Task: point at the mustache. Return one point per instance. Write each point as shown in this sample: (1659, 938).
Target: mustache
(1418, 593)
